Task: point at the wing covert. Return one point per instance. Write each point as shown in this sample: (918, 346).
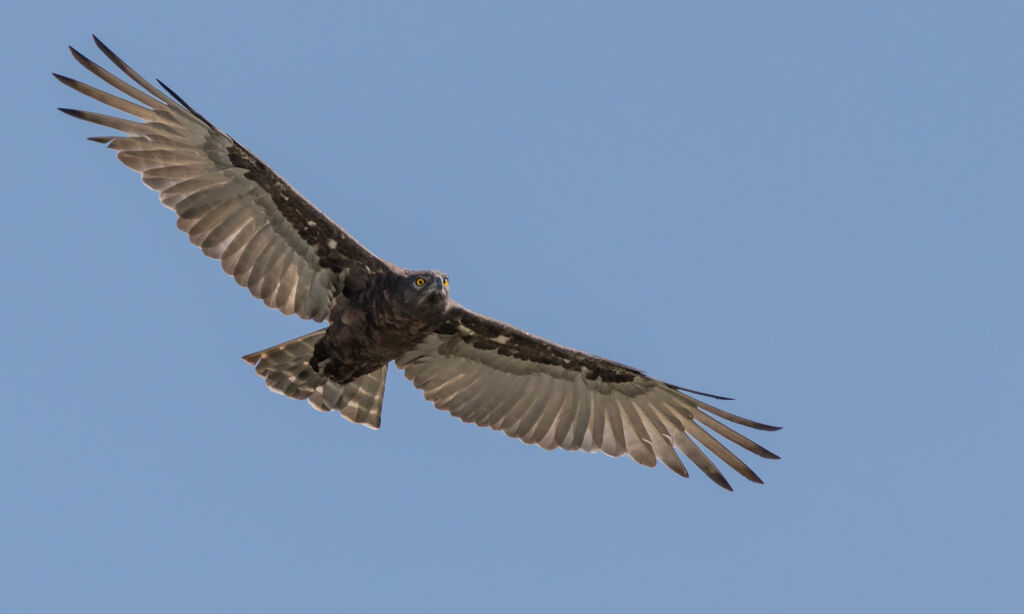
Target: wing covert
(232, 205)
(491, 374)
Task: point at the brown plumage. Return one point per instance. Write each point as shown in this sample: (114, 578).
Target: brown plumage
(290, 255)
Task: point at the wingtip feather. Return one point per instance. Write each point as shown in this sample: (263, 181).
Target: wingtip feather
(698, 392)
(75, 53)
(106, 50)
(182, 102)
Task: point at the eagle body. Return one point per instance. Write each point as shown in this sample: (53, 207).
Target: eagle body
(388, 318)
(290, 255)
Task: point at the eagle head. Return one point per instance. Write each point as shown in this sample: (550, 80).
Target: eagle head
(425, 292)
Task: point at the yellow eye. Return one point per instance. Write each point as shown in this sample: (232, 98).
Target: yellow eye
(420, 281)
(445, 282)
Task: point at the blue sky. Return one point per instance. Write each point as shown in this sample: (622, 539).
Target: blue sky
(814, 209)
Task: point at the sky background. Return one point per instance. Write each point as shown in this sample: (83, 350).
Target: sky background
(818, 210)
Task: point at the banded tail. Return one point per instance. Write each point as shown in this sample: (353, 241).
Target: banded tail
(287, 371)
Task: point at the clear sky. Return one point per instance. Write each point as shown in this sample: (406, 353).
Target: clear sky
(816, 210)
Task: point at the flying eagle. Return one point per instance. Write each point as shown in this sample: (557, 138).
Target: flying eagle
(292, 257)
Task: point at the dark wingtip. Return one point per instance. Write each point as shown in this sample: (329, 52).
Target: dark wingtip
(113, 57)
(175, 95)
(703, 394)
(100, 44)
(182, 102)
(81, 115)
(716, 476)
(714, 396)
(758, 425)
(84, 61)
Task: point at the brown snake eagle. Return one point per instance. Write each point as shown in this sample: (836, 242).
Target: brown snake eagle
(289, 254)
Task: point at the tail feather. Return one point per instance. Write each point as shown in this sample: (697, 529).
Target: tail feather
(286, 370)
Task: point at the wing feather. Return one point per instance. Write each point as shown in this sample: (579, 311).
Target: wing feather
(211, 218)
(233, 206)
(594, 440)
(504, 421)
(236, 249)
(581, 423)
(614, 438)
(563, 427)
(285, 297)
(732, 435)
(491, 374)
(251, 254)
(700, 459)
(715, 447)
(468, 401)
(271, 277)
(553, 404)
(115, 81)
(662, 443)
(214, 242)
(533, 392)
(638, 440)
(527, 419)
(108, 99)
(498, 405)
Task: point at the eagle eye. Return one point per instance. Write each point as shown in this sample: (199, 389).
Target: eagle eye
(445, 282)
(420, 281)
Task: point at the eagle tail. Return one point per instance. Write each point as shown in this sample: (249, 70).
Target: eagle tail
(286, 370)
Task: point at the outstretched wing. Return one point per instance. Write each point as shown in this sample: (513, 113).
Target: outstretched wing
(491, 374)
(232, 205)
